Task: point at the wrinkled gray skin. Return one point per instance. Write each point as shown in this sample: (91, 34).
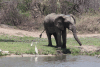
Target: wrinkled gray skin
(56, 24)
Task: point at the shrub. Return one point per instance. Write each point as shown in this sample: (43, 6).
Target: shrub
(89, 24)
(10, 14)
(25, 5)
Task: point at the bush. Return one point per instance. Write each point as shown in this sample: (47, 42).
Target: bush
(11, 15)
(88, 24)
(25, 5)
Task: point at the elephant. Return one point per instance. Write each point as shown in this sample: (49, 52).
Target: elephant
(56, 24)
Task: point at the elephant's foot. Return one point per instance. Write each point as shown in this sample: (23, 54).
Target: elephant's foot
(59, 48)
(64, 46)
(49, 44)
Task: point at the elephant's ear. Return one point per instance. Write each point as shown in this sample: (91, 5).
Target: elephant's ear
(70, 18)
(73, 19)
(59, 22)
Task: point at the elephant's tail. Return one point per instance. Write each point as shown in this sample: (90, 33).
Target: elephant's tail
(41, 33)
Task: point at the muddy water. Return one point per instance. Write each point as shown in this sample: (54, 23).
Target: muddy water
(50, 61)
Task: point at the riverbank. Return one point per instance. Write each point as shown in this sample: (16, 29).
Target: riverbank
(19, 42)
(84, 50)
(17, 45)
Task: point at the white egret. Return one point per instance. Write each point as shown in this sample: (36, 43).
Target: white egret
(36, 50)
(32, 44)
(0, 50)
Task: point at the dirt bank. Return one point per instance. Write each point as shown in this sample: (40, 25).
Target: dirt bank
(4, 29)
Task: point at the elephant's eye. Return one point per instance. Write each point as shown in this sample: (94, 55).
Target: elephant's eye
(59, 22)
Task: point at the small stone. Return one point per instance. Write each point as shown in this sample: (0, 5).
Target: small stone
(5, 52)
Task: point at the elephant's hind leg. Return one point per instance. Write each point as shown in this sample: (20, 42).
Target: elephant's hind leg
(49, 39)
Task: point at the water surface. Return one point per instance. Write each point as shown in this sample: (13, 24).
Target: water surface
(50, 61)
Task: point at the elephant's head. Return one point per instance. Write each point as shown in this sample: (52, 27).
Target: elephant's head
(59, 22)
(69, 22)
(62, 21)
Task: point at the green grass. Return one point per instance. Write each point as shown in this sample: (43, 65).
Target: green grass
(19, 45)
(85, 41)
(27, 14)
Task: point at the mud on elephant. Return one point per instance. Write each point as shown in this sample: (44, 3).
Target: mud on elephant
(56, 24)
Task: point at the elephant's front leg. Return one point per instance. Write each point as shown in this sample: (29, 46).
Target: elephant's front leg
(59, 39)
(64, 38)
(55, 36)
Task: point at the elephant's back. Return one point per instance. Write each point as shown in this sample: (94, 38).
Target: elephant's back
(50, 17)
(49, 22)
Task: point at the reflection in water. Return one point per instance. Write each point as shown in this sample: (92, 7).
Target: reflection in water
(50, 61)
(31, 58)
(36, 59)
(61, 58)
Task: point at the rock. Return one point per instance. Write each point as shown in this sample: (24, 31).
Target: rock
(5, 52)
(59, 52)
(98, 56)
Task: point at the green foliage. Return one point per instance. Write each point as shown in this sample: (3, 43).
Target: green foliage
(31, 51)
(99, 8)
(47, 10)
(91, 53)
(0, 4)
(22, 7)
(68, 3)
(91, 10)
(25, 5)
(48, 51)
(75, 51)
(1, 54)
(17, 53)
(26, 14)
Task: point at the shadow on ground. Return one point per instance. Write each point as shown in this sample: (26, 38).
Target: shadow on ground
(60, 51)
(6, 40)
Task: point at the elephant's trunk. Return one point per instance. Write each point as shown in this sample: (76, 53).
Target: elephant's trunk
(75, 35)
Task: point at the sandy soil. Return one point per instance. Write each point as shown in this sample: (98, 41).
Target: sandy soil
(4, 29)
(26, 55)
